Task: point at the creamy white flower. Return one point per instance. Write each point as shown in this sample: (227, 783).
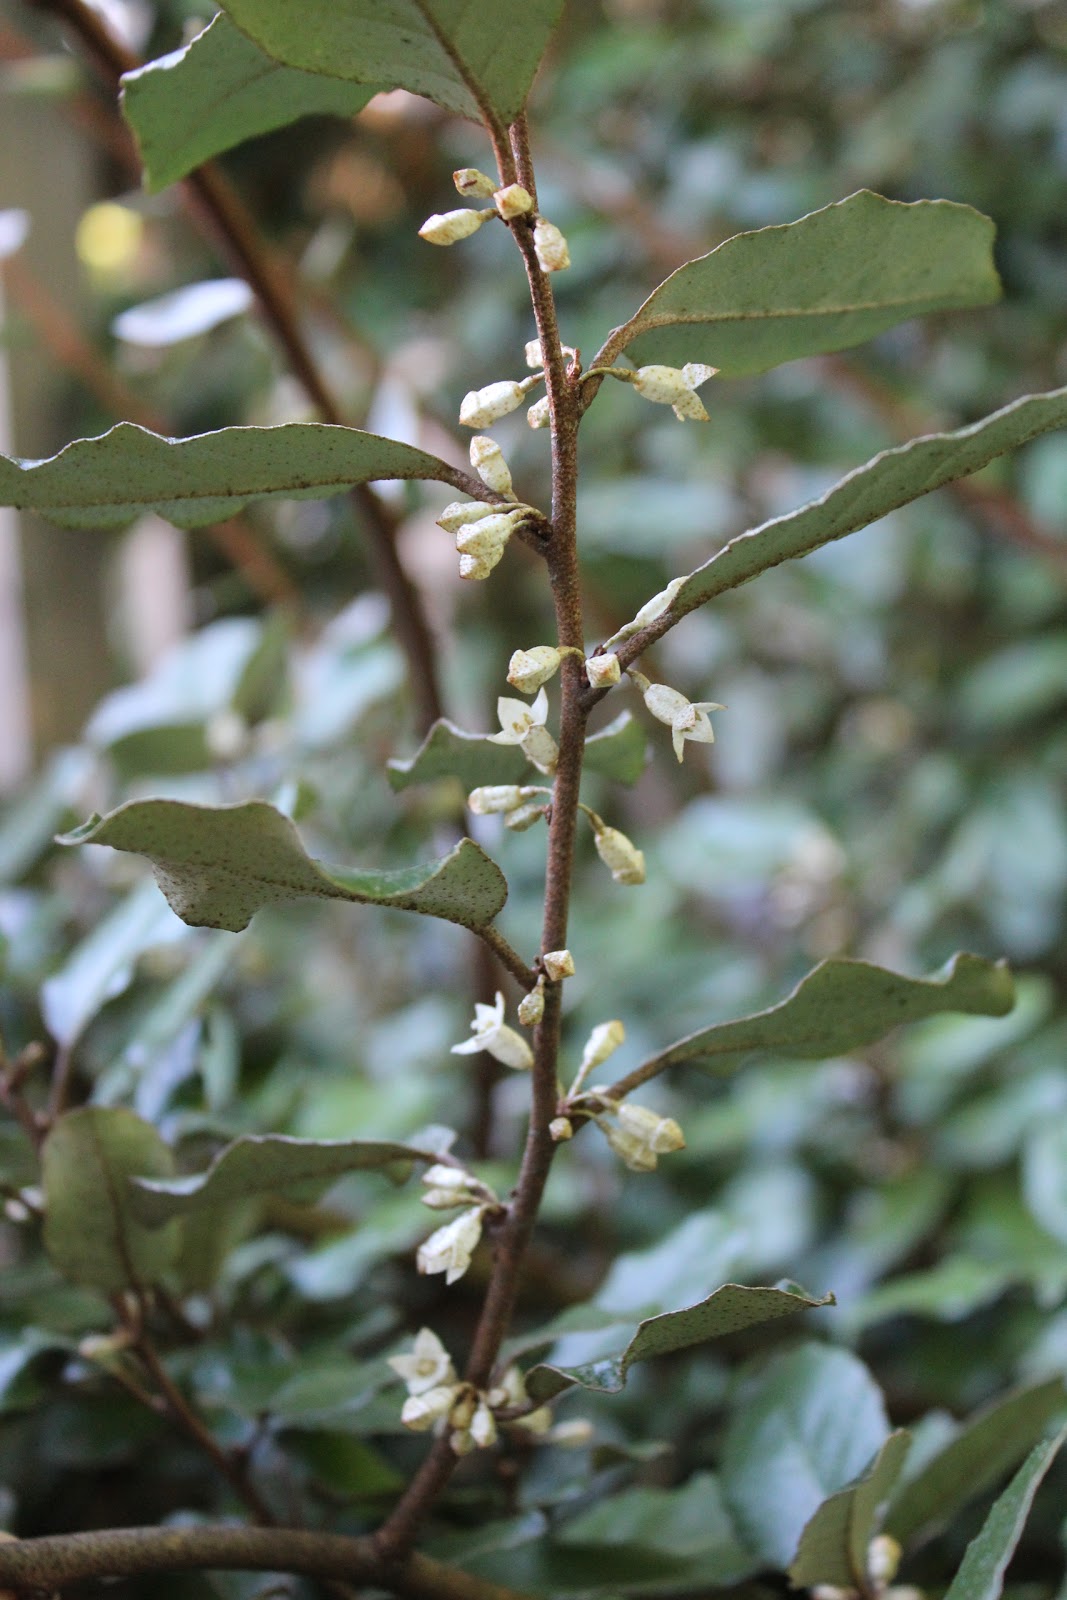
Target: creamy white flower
(559, 964)
(532, 1005)
(550, 246)
(449, 1250)
(487, 459)
(638, 1134)
(474, 185)
(509, 1392)
(491, 1033)
(604, 1040)
(534, 357)
(421, 1411)
(883, 1559)
(427, 1365)
(539, 414)
(603, 670)
(651, 611)
(449, 1186)
(481, 544)
(623, 859)
(496, 797)
(513, 201)
(675, 387)
(685, 719)
(529, 669)
(449, 227)
(482, 407)
(483, 1426)
(524, 817)
(525, 726)
(561, 1128)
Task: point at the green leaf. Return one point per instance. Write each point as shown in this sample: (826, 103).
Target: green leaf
(842, 1005)
(102, 965)
(1045, 1178)
(108, 481)
(218, 865)
(262, 1165)
(617, 751)
(449, 752)
(835, 278)
(689, 1523)
(461, 56)
(219, 90)
(986, 1446)
(89, 1230)
(881, 485)
(809, 1425)
(981, 1577)
(833, 1546)
(729, 1310)
(954, 1288)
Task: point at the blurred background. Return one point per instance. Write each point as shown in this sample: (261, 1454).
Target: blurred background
(887, 782)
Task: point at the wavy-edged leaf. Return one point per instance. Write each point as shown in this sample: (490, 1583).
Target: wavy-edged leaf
(985, 1446)
(89, 1229)
(833, 1546)
(463, 57)
(881, 485)
(618, 751)
(842, 1005)
(834, 278)
(450, 752)
(981, 1577)
(217, 865)
(219, 90)
(108, 481)
(257, 1165)
(729, 1310)
(807, 1426)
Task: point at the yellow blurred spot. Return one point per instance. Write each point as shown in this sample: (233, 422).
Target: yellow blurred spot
(108, 237)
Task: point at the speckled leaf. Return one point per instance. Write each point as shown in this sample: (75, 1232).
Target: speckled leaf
(89, 1230)
(981, 1577)
(457, 54)
(108, 481)
(835, 278)
(843, 1005)
(217, 865)
(262, 1165)
(729, 1310)
(617, 751)
(219, 90)
(449, 752)
(881, 485)
(833, 1546)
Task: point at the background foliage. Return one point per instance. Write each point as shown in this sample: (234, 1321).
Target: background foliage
(887, 783)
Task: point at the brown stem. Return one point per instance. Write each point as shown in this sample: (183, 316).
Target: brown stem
(59, 1561)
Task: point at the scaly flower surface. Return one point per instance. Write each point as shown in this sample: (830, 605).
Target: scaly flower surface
(491, 1033)
(675, 387)
(637, 1134)
(525, 726)
(529, 669)
(449, 1250)
(448, 227)
(685, 718)
(427, 1365)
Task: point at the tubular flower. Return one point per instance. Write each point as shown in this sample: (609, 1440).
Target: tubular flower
(525, 726)
(472, 184)
(482, 407)
(529, 669)
(482, 543)
(603, 1042)
(513, 201)
(497, 797)
(603, 670)
(452, 1186)
(638, 1135)
(559, 964)
(491, 1033)
(426, 1366)
(649, 612)
(534, 357)
(448, 227)
(449, 1250)
(532, 1005)
(685, 719)
(524, 817)
(539, 414)
(421, 1411)
(550, 247)
(487, 459)
(622, 858)
(675, 387)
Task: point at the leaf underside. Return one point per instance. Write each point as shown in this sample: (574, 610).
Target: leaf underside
(218, 865)
(981, 1577)
(616, 751)
(833, 1546)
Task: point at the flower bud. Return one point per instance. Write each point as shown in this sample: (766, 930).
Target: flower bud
(484, 541)
(603, 670)
(539, 414)
(421, 1411)
(494, 798)
(883, 1559)
(539, 747)
(487, 459)
(650, 611)
(449, 227)
(561, 1128)
(604, 1040)
(529, 669)
(550, 247)
(513, 201)
(559, 964)
(624, 861)
(661, 1134)
(535, 359)
(449, 1250)
(482, 407)
(461, 1442)
(532, 1005)
(523, 817)
(472, 184)
(462, 512)
(475, 567)
(483, 1426)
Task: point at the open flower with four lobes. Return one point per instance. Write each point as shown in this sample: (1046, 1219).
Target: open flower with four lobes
(490, 1032)
(525, 726)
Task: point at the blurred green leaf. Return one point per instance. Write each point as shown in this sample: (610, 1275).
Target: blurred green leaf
(89, 1230)
(1045, 1177)
(889, 480)
(835, 278)
(985, 1446)
(450, 752)
(958, 1285)
(262, 1165)
(689, 1523)
(806, 1427)
(833, 1546)
(219, 90)
(981, 1577)
(617, 751)
(219, 865)
(456, 55)
(729, 1310)
(843, 1005)
(108, 481)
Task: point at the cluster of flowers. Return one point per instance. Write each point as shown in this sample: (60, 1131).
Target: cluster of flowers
(509, 203)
